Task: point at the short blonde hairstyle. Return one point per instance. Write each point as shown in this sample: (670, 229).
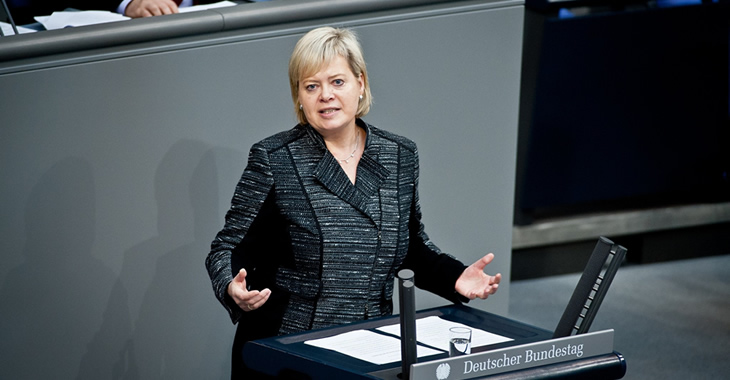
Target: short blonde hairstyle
(317, 49)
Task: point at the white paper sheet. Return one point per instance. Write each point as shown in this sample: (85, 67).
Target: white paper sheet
(368, 346)
(203, 7)
(68, 19)
(434, 331)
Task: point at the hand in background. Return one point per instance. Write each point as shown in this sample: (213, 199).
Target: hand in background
(147, 8)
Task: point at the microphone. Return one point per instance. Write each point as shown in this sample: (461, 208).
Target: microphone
(407, 303)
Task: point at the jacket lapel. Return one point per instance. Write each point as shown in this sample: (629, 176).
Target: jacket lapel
(370, 176)
(370, 172)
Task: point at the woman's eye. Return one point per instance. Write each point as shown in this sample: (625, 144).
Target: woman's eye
(310, 87)
(338, 82)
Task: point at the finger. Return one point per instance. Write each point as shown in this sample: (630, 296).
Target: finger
(483, 262)
(248, 300)
(487, 258)
(485, 294)
(261, 298)
(255, 296)
(155, 9)
(258, 300)
(241, 276)
(165, 7)
(493, 289)
(168, 8)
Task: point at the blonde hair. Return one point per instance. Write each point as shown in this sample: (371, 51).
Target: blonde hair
(318, 48)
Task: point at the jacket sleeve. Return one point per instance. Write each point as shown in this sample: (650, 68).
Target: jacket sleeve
(434, 270)
(250, 194)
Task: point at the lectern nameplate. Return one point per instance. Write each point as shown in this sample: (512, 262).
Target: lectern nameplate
(516, 357)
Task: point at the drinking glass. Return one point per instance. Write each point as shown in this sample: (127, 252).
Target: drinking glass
(459, 341)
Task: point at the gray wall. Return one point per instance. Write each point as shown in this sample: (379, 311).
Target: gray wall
(118, 166)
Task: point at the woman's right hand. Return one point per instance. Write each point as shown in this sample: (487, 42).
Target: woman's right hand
(247, 300)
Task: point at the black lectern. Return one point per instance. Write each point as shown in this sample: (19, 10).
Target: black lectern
(289, 357)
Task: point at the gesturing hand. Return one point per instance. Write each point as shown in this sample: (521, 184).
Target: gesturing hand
(247, 300)
(474, 283)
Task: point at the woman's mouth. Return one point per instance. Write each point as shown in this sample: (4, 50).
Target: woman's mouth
(328, 111)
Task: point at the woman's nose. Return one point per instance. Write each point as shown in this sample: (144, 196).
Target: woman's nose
(327, 93)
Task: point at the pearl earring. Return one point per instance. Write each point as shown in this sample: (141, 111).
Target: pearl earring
(300, 107)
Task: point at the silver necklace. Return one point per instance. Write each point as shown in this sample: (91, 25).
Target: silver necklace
(357, 143)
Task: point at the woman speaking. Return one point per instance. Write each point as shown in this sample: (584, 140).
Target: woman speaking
(326, 213)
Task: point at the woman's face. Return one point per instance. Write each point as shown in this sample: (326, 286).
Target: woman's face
(330, 97)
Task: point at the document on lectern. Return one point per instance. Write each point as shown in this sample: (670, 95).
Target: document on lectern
(368, 346)
(434, 331)
(384, 347)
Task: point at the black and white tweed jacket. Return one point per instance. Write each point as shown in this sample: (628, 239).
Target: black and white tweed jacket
(328, 249)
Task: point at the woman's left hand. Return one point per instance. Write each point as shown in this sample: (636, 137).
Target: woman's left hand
(474, 283)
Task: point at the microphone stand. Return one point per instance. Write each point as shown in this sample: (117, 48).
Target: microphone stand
(407, 303)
